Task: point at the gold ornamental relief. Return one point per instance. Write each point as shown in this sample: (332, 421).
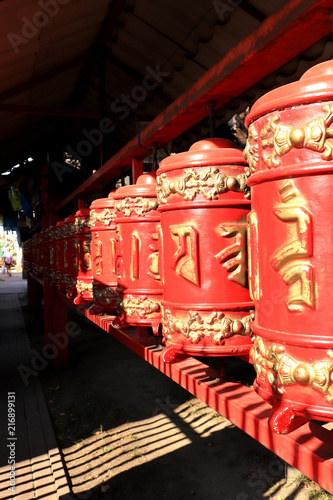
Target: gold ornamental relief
(140, 306)
(98, 255)
(86, 255)
(71, 229)
(106, 217)
(75, 262)
(278, 139)
(140, 206)
(81, 287)
(211, 183)
(281, 370)
(65, 254)
(71, 282)
(185, 261)
(251, 151)
(81, 223)
(153, 259)
(216, 326)
(106, 295)
(234, 257)
(39, 269)
(52, 276)
(253, 260)
(51, 257)
(292, 260)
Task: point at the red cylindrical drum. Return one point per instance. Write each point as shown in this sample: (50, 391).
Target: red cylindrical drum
(39, 268)
(289, 152)
(47, 237)
(103, 255)
(70, 256)
(84, 280)
(52, 252)
(26, 255)
(202, 197)
(34, 262)
(35, 252)
(139, 284)
(59, 256)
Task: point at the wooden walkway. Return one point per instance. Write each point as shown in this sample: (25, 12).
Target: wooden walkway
(29, 443)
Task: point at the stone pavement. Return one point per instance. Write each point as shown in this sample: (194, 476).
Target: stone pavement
(30, 463)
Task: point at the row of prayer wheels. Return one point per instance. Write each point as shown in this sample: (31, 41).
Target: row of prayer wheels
(169, 250)
(223, 275)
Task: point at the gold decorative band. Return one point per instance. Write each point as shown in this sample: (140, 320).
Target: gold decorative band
(278, 139)
(273, 364)
(140, 206)
(81, 223)
(70, 229)
(81, 287)
(210, 182)
(140, 306)
(216, 326)
(105, 217)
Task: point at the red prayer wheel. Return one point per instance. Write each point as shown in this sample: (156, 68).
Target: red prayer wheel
(59, 256)
(139, 284)
(47, 243)
(289, 152)
(202, 195)
(52, 240)
(39, 253)
(33, 254)
(84, 280)
(27, 255)
(103, 255)
(70, 256)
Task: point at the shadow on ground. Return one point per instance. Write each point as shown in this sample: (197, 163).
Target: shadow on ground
(127, 431)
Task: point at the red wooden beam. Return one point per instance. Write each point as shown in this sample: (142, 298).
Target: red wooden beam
(284, 35)
(309, 448)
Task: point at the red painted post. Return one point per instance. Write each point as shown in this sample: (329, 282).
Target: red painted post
(81, 203)
(137, 168)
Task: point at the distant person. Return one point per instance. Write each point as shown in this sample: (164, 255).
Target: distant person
(8, 263)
